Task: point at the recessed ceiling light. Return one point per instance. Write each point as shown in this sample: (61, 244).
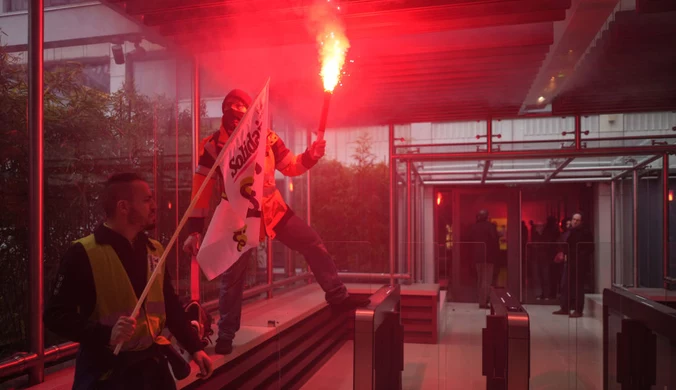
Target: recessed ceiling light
(541, 99)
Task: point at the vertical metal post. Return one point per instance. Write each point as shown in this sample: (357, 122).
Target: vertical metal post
(36, 184)
(578, 132)
(393, 210)
(270, 273)
(196, 120)
(195, 138)
(409, 230)
(156, 188)
(308, 175)
(665, 218)
(635, 226)
(489, 136)
(613, 221)
(176, 197)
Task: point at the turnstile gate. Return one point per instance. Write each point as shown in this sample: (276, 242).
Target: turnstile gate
(506, 343)
(379, 342)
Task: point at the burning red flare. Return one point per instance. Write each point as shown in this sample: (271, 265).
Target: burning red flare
(333, 44)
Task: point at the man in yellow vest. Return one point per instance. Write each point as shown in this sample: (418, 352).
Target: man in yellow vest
(279, 221)
(100, 279)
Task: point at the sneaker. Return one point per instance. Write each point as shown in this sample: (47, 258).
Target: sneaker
(562, 312)
(350, 303)
(223, 347)
(576, 314)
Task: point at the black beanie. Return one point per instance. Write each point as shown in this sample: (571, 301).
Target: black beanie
(237, 94)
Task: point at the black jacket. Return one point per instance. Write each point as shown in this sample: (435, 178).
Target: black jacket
(580, 246)
(74, 295)
(485, 242)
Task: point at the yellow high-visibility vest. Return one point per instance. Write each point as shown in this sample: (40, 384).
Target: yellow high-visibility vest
(115, 296)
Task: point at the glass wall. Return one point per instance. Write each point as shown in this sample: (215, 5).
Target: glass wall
(14, 208)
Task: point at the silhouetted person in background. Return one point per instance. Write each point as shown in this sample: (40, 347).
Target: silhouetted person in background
(576, 257)
(557, 266)
(547, 251)
(486, 249)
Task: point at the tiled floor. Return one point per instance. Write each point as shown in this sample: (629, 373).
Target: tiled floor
(565, 354)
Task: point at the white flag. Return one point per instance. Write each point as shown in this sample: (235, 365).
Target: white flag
(235, 226)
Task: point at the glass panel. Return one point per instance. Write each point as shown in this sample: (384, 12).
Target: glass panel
(463, 319)
(543, 268)
(624, 216)
(585, 268)
(14, 229)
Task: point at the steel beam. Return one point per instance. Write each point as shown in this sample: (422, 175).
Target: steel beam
(542, 154)
(640, 165)
(527, 170)
(36, 28)
(519, 181)
(558, 169)
(484, 174)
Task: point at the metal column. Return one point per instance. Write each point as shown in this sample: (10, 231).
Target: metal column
(196, 111)
(177, 217)
(634, 223)
(36, 24)
(308, 175)
(393, 210)
(665, 218)
(196, 121)
(613, 264)
(409, 217)
(578, 132)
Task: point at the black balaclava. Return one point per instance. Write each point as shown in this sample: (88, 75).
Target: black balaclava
(231, 117)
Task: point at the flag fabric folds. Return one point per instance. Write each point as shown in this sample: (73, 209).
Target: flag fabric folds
(236, 224)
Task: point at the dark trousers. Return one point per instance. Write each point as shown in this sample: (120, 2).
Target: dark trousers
(298, 236)
(543, 268)
(572, 286)
(99, 370)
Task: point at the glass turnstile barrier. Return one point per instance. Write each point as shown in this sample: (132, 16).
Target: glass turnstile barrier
(379, 342)
(506, 343)
(639, 337)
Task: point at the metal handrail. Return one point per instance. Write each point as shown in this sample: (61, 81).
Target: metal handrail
(367, 321)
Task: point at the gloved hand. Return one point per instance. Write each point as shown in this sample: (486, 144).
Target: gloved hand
(191, 245)
(318, 149)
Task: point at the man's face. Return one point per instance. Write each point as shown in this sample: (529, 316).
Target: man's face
(576, 221)
(142, 206)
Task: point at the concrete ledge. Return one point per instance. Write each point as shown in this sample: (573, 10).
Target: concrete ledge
(594, 305)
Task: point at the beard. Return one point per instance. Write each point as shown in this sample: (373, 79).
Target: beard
(146, 223)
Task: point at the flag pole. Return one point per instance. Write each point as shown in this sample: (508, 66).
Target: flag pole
(193, 202)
